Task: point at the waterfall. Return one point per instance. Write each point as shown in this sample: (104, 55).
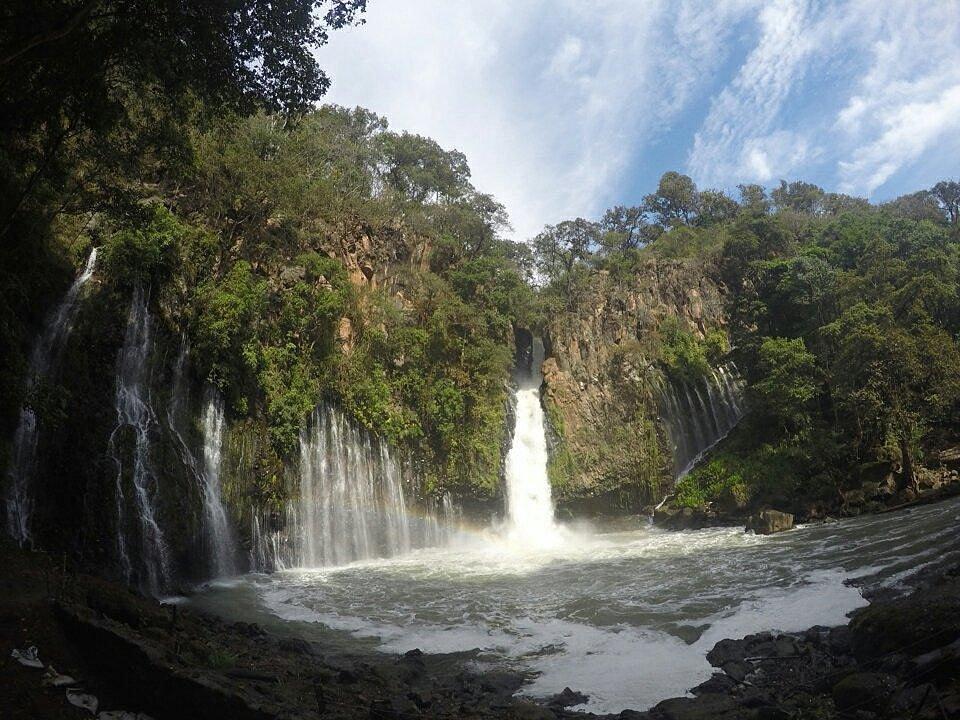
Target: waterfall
(135, 414)
(351, 503)
(530, 518)
(43, 361)
(699, 414)
(221, 545)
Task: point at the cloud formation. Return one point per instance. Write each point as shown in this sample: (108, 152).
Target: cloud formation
(561, 105)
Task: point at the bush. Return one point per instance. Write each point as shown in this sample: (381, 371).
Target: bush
(144, 253)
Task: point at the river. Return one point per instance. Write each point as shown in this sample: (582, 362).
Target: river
(624, 614)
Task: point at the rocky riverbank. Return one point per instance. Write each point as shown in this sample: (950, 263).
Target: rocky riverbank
(870, 496)
(899, 657)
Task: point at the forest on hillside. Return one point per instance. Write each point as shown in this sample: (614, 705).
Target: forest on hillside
(209, 177)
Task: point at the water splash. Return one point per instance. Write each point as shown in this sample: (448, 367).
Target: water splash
(218, 533)
(530, 514)
(44, 358)
(150, 568)
(350, 503)
(700, 414)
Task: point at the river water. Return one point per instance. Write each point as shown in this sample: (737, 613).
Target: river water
(624, 613)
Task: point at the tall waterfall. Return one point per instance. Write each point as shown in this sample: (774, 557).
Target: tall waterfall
(529, 503)
(43, 361)
(351, 503)
(134, 467)
(700, 414)
(220, 541)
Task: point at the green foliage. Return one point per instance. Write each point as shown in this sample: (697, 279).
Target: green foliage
(144, 251)
(683, 355)
(712, 482)
(226, 315)
(786, 383)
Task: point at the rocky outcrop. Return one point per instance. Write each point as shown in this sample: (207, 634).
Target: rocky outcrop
(600, 377)
(768, 522)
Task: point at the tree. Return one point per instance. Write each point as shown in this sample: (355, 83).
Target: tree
(92, 86)
(753, 199)
(787, 383)
(420, 169)
(559, 249)
(715, 206)
(802, 197)
(624, 228)
(889, 380)
(947, 195)
(675, 200)
(920, 205)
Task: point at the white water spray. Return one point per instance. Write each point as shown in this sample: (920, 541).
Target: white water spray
(530, 520)
(221, 545)
(135, 413)
(700, 414)
(43, 361)
(351, 503)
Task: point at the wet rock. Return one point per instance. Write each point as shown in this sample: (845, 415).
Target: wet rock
(528, 711)
(752, 697)
(726, 651)
(737, 670)
(767, 522)
(864, 691)
(296, 645)
(771, 713)
(718, 683)
(568, 698)
(839, 639)
(347, 677)
(704, 707)
(397, 709)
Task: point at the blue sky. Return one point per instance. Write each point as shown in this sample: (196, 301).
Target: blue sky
(566, 107)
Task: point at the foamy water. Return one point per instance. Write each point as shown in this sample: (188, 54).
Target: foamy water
(625, 615)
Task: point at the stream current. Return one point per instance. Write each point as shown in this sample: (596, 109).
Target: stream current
(624, 613)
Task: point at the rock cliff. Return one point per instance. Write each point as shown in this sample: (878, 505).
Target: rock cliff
(609, 446)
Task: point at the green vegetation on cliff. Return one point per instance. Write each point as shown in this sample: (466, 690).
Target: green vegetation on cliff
(305, 254)
(843, 317)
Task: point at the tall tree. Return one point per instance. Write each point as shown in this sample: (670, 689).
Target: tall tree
(947, 194)
(675, 200)
(559, 249)
(624, 228)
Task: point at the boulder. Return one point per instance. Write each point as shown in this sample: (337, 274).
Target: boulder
(709, 706)
(864, 691)
(767, 522)
(568, 698)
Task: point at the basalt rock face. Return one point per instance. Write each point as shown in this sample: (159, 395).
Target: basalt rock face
(609, 446)
(88, 457)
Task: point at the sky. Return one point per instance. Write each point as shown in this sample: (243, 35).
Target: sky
(566, 107)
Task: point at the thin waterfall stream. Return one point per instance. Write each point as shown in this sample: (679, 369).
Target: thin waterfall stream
(44, 359)
(141, 545)
(218, 531)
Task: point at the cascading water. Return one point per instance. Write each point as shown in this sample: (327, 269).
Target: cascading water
(530, 516)
(700, 414)
(43, 361)
(351, 503)
(221, 544)
(135, 414)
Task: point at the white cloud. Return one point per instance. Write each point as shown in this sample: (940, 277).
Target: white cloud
(853, 133)
(907, 105)
(552, 101)
(557, 103)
